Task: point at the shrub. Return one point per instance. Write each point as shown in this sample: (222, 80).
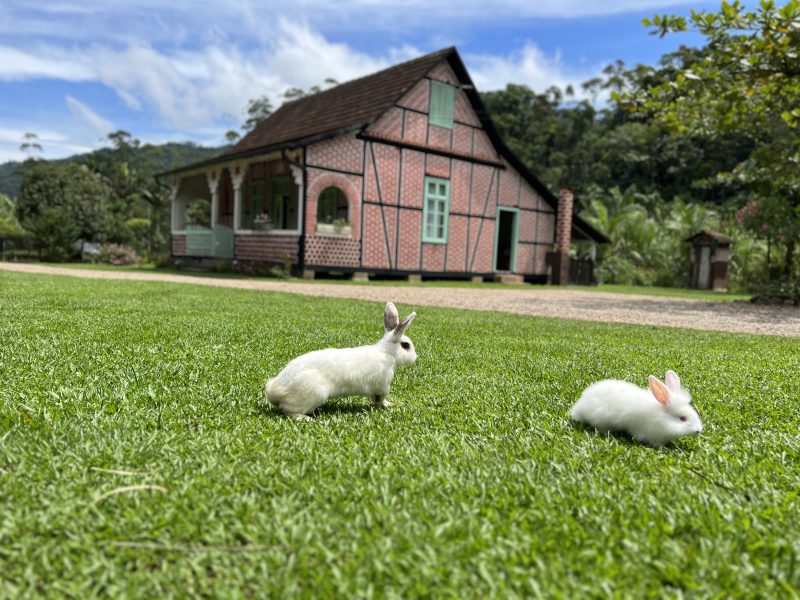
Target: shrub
(116, 254)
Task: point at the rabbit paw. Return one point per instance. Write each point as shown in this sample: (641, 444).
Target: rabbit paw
(382, 402)
(301, 417)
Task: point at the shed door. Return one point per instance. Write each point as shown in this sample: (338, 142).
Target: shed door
(704, 268)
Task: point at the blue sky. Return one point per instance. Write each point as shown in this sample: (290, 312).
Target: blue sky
(74, 71)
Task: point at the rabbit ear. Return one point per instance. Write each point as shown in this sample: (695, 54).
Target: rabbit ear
(673, 381)
(400, 329)
(390, 317)
(659, 390)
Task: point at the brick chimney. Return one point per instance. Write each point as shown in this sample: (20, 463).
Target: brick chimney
(564, 220)
(559, 257)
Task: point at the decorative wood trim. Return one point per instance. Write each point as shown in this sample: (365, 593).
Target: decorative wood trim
(483, 213)
(380, 199)
(429, 150)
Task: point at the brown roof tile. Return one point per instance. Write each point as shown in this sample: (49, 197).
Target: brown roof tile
(350, 105)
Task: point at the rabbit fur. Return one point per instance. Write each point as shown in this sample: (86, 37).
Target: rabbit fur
(308, 381)
(655, 416)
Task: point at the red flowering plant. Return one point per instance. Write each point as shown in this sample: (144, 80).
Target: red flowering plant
(778, 222)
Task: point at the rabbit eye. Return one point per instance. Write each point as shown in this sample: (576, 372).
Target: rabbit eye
(405, 345)
(683, 418)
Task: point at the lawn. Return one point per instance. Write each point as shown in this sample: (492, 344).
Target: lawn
(474, 484)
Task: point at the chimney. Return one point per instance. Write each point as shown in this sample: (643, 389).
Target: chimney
(564, 220)
(558, 259)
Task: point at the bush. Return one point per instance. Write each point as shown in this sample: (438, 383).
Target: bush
(116, 254)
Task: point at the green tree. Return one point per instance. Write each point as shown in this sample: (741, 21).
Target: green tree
(257, 110)
(30, 145)
(747, 81)
(61, 204)
(9, 225)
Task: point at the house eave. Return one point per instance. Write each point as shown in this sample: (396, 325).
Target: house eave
(284, 145)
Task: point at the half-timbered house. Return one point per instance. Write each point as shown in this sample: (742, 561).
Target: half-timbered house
(397, 173)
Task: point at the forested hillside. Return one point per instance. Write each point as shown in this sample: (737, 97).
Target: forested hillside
(147, 158)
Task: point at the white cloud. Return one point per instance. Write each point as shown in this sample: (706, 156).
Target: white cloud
(43, 62)
(190, 89)
(529, 66)
(88, 116)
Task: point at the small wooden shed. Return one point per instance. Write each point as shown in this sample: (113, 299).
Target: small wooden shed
(709, 258)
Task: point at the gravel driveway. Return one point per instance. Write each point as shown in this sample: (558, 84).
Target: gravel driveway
(734, 317)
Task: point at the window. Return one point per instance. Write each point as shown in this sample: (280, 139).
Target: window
(254, 215)
(332, 207)
(442, 104)
(280, 190)
(435, 210)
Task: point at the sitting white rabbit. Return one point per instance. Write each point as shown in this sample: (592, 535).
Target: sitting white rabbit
(655, 416)
(308, 381)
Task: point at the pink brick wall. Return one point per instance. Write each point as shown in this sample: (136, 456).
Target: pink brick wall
(332, 251)
(389, 126)
(415, 129)
(457, 244)
(509, 192)
(413, 178)
(443, 72)
(440, 138)
(483, 146)
(525, 256)
(373, 245)
(417, 97)
(410, 232)
(464, 112)
(462, 139)
(546, 227)
(527, 226)
(433, 257)
(344, 153)
(179, 245)
(408, 121)
(481, 182)
(267, 248)
(387, 160)
(438, 166)
(459, 186)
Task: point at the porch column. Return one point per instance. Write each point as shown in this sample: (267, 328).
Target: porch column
(213, 178)
(297, 174)
(178, 208)
(237, 178)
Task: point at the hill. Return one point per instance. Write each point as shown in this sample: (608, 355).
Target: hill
(148, 158)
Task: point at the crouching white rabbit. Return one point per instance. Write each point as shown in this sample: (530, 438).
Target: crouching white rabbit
(308, 381)
(656, 416)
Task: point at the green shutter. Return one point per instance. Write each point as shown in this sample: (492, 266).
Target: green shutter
(442, 104)
(436, 210)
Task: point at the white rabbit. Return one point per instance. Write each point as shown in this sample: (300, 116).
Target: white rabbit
(308, 381)
(655, 416)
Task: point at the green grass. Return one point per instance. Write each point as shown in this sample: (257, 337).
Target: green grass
(474, 484)
(608, 288)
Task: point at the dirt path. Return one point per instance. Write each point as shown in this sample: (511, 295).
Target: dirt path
(734, 317)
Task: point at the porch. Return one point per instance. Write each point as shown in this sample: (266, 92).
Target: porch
(244, 210)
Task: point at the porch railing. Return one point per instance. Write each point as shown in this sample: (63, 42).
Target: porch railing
(209, 243)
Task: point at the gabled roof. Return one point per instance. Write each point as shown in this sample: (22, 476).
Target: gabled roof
(714, 235)
(349, 106)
